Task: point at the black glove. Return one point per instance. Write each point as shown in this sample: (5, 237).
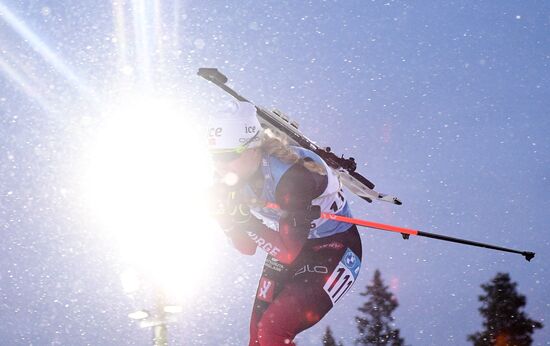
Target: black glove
(228, 208)
(303, 217)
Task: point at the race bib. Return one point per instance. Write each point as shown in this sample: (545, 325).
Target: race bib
(332, 203)
(343, 276)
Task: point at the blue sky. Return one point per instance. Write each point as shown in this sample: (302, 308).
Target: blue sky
(444, 104)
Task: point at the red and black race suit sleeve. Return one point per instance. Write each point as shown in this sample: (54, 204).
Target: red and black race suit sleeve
(294, 194)
(240, 238)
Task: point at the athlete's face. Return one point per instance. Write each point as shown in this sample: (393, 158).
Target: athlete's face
(239, 169)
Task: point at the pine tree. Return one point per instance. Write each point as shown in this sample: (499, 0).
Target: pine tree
(328, 339)
(505, 324)
(376, 326)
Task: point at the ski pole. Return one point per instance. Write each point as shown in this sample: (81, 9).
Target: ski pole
(407, 232)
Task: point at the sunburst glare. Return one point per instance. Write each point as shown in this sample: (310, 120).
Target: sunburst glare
(144, 185)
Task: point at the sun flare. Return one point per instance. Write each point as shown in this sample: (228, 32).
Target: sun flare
(146, 182)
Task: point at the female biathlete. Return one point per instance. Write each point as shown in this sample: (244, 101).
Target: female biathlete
(269, 196)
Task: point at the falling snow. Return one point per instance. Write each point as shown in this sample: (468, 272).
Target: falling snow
(443, 104)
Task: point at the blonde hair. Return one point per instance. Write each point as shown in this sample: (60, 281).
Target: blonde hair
(276, 144)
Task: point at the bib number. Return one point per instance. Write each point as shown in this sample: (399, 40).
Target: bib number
(343, 276)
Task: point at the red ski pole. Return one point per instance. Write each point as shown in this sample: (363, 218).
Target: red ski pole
(407, 232)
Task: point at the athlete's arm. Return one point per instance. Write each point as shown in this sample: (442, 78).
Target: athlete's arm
(294, 194)
(241, 241)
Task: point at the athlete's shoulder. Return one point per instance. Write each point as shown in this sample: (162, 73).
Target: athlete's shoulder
(300, 185)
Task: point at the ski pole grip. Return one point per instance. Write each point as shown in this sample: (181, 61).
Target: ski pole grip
(314, 212)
